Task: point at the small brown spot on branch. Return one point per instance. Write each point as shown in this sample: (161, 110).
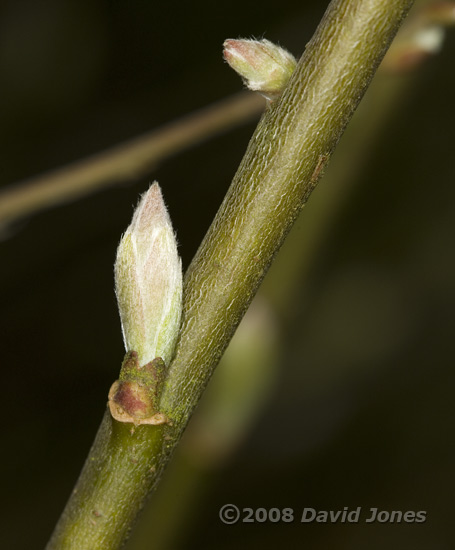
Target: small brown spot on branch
(322, 161)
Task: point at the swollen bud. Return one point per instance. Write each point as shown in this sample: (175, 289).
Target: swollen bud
(148, 281)
(263, 66)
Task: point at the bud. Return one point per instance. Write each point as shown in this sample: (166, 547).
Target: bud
(263, 66)
(148, 281)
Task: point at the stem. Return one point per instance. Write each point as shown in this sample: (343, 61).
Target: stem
(284, 160)
(298, 257)
(126, 161)
(117, 476)
(281, 167)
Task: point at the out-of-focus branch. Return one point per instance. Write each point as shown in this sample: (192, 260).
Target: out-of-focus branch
(126, 161)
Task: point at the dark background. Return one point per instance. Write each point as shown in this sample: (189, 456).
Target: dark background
(362, 414)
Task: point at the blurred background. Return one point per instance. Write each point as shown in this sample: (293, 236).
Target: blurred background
(343, 391)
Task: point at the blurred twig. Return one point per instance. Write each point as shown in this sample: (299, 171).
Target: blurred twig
(126, 161)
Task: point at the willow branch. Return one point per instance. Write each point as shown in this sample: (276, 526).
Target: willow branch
(284, 160)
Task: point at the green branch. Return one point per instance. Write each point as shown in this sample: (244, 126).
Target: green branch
(281, 167)
(284, 160)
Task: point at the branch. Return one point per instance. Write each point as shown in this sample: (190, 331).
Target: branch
(284, 160)
(281, 167)
(124, 162)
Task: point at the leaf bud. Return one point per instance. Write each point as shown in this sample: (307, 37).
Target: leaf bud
(148, 281)
(263, 66)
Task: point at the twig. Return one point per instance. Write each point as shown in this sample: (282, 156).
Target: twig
(124, 162)
(295, 136)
